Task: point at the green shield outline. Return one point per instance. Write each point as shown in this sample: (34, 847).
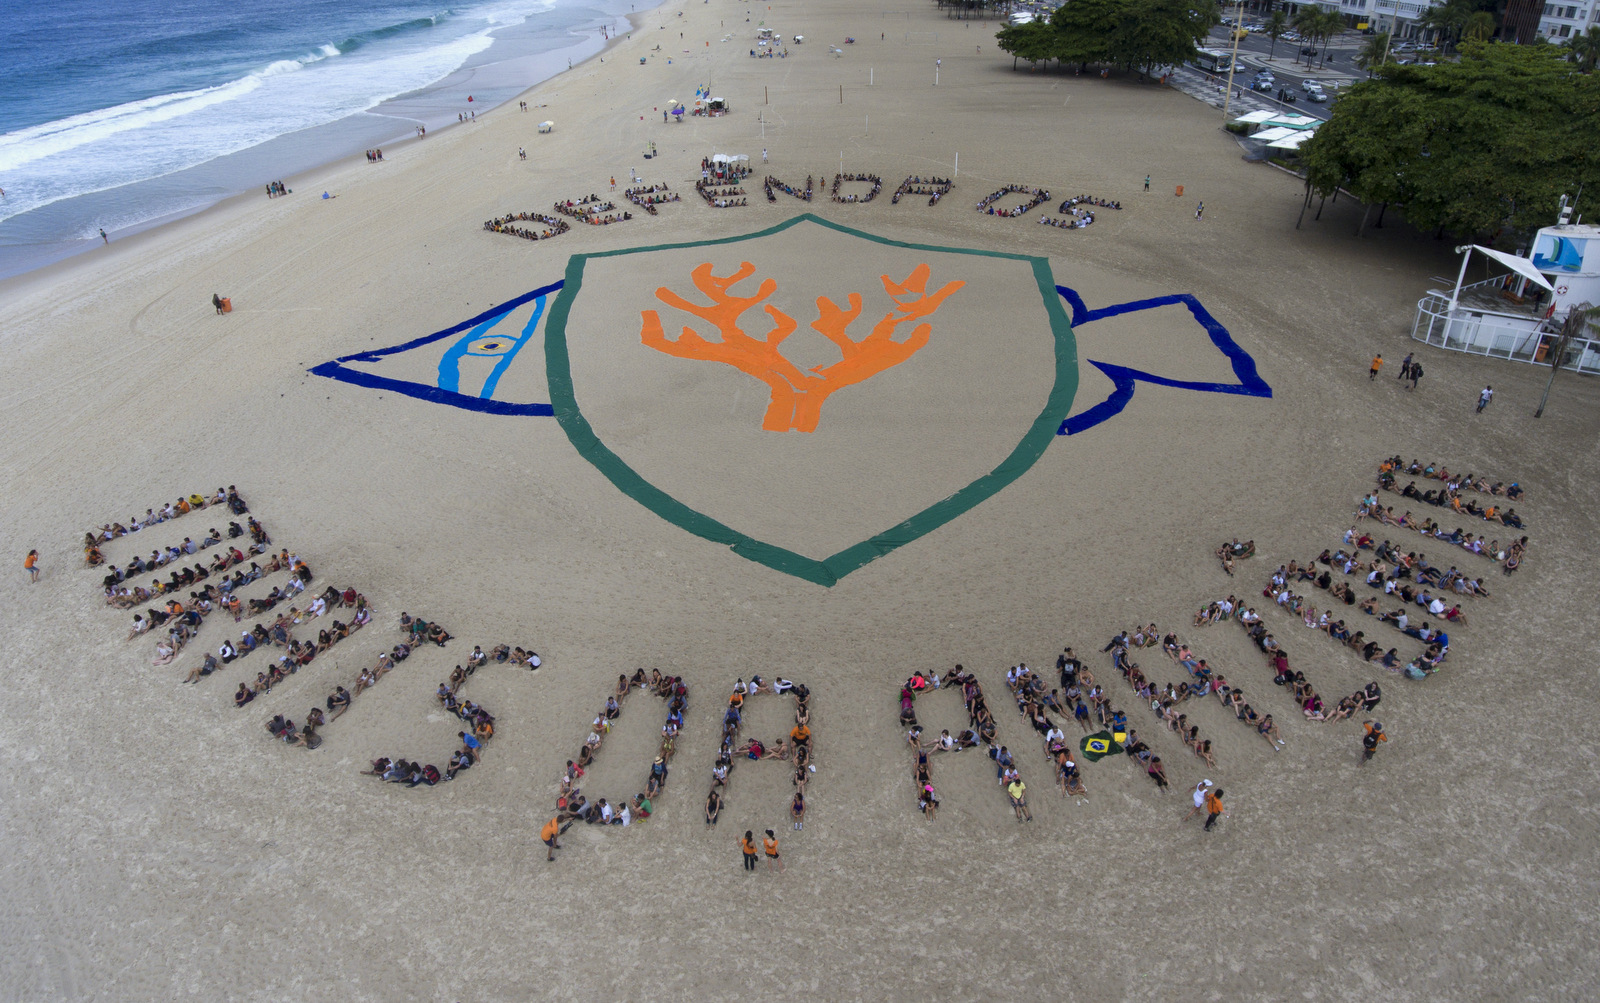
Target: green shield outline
(826, 572)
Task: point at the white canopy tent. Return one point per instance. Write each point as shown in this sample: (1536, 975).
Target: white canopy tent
(1256, 117)
(1270, 136)
(1522, 266)
(1293, 140)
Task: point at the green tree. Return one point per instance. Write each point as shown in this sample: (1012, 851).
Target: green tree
(1479, 26)
(1330, 23)
(1579, 321)
(1584, 49)
(1374, 53)
(1305, 22)
(1474, 147)
(1035, 41)
(1083, 29)
(1151, 33)
(1276, 25)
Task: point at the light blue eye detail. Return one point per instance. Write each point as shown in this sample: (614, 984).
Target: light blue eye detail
(479, 343)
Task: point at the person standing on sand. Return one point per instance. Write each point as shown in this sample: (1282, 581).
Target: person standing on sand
(216, 301)
(1200, 211)
(103, 237)
(1416, 374)
(1214, 807)
(1147, 182)
(30, 564)
(747, 849)
(1484, 398)
(551, 830)
(1369, 741)
(1200, 791)
(1377, 363)
(763, 154)
(770, 846)
(1405, 367)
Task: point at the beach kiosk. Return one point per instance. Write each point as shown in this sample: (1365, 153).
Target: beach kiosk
(1517, 312)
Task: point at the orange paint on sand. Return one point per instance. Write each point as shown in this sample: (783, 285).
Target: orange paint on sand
(797, 395)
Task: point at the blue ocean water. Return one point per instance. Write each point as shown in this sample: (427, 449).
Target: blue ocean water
(117, 115)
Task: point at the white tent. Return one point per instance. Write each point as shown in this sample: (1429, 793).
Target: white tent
(1273, 135)
(1522, 266)
(1293, 140)
(1295, 121)
(546, 126)
(1256, 117)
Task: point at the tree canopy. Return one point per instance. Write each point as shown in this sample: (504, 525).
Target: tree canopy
(1474, 146)
(1132, 34)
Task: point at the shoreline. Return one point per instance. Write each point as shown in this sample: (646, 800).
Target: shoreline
(47, 254)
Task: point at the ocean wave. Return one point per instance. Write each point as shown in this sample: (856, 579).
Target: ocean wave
(52, 138)
(158, 136)
(362, 38)
(153, 137)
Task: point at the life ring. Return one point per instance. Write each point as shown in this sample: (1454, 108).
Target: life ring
(1561, 290)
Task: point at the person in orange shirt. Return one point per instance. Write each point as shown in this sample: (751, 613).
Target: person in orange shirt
(800, 734)
(30, 564)
(551, 830)
(1213, 807)
(770, 846)
(1369, 741)
(1377, 363)
(747, 848)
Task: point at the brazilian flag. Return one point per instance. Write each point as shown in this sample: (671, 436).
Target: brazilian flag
(1099, 745)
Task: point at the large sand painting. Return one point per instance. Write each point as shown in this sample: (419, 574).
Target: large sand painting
(811, 396)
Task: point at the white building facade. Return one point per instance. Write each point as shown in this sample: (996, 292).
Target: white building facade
(1561, 21)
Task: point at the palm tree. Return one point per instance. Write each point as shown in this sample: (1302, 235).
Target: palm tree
(1479, 26)
(1332, 23)
(1305, 22)
(1276, 25)
(1374, 53)
(1579, 317)
(1584, 49)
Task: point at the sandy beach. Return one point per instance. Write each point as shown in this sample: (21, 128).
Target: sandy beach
(160, 844)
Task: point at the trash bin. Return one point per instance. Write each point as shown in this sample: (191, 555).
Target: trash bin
(1179, 192)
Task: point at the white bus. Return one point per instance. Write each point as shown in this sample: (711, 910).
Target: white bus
(1215, 61)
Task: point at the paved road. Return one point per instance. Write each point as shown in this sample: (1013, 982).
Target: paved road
(1337, 72)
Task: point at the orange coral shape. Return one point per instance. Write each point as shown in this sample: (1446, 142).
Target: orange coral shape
(797, 395)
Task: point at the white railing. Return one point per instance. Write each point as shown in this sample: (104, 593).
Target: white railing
(1498, 337)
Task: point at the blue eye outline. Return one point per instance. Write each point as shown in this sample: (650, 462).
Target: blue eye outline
(1125, 379)
(450, 363)
(337, 370)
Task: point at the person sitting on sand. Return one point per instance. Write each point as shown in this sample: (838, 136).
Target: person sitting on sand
(205, 668)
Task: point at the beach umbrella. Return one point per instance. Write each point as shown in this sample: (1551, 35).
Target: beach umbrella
(546, 126)
(678, 110)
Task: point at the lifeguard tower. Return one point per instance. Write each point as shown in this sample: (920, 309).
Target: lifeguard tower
(1518, 314)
